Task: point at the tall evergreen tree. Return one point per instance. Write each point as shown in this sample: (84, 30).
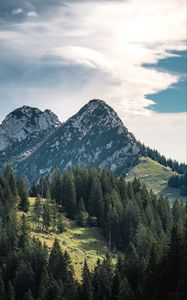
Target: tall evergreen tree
(87, 289)
(69, 194)
(23, 194)
(37, 210)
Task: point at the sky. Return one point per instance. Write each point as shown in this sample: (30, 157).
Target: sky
(131, 53)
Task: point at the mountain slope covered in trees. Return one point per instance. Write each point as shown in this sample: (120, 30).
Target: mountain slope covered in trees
(153, 239)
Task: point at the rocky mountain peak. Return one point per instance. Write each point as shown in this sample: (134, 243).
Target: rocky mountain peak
(94, 137)
(23, 122)
(96, 113)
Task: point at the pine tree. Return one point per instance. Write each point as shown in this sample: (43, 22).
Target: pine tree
(24, 279)
(96, 203)
(103, 280)
(37, 210)
(69, 195)
(33, 190)
(9, 177)
(86, 289)
(2, 290)
(56, 264)
(181, 291)
(82, 215)
(125, 292)
(47, 215)
(60, 223)
(54, 215)
(23, 194)
(10, 292)
(56, 185)
(28, 295)
(23, 233)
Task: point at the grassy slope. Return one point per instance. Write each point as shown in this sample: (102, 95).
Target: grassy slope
(155, 176)
(80, 242)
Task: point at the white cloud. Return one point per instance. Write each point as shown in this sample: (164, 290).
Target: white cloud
(113, 37)
(17, 11)
(106, 44)
(32, 14)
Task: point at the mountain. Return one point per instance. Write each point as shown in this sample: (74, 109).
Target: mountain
(95, 136)
(22, 131)
(23, 122)
(35, 141)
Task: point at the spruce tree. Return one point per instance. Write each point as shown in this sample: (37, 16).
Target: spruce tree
(28, 295)
(10, 179)
(24, 279)
(47, 215)
(23, 233)
(60, 223)
(86, 289)
(23, 194)
(10, 292)
(37, 210)
(69, 195)
(125, 292)
(82, 215)
(56, 264)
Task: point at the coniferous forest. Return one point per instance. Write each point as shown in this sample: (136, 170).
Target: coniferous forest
(147, 235)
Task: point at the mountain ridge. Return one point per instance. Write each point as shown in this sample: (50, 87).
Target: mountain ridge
(24, 121)
(95, 136)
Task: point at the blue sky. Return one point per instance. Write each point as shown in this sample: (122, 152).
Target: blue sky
(172, 99)
(60, 54)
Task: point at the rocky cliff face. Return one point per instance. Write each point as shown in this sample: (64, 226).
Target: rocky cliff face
(23, 122)
(95, 136)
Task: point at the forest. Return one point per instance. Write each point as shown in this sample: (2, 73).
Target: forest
(147, 234)
(179, 181)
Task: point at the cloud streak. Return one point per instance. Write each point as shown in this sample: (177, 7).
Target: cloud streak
(72, 51)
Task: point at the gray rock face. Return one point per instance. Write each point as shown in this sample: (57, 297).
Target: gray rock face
(95, 137)
(23, 122)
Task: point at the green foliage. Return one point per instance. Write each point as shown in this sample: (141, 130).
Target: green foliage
(151, 235)
(69, 194)
(156, 177)
(82, 215)
(179, 181)
(47, 215)
(23, 194)
(37, 209)
(60, 224)
(87, 288)
(23, 233)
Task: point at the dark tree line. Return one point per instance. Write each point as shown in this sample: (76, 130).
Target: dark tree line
(179, 181)
(180, 168)
(151, 235)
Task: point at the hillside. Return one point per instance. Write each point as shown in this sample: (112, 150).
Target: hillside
(155, 176)
(134, 224)
(80, 242)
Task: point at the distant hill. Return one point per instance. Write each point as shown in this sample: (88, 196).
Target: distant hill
(155, 176)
